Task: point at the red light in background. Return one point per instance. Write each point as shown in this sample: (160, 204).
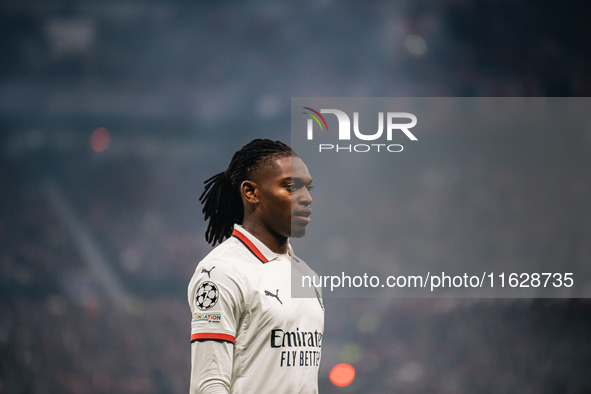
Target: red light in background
(100, 139)
(342, 375)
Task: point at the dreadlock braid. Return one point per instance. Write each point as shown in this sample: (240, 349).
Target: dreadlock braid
(221, 199)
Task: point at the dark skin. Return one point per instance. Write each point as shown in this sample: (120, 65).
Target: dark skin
(277, 202)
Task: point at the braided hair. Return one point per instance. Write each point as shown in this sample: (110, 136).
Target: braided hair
(221, 199)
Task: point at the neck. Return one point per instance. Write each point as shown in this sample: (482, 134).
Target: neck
(277, 243)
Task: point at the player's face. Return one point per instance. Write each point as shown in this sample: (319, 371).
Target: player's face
(284, 197)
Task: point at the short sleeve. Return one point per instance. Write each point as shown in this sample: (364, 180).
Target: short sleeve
(217, 301)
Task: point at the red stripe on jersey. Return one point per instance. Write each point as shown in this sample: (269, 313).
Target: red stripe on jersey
(212, 335)
(250, 245)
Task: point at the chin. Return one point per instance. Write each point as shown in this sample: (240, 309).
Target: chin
(298, 232)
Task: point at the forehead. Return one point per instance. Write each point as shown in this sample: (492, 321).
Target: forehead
(286, 167)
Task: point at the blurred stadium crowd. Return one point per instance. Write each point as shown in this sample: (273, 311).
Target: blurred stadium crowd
(60, 332)
(180, 85)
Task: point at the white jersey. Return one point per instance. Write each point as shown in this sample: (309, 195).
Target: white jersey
(241, 293)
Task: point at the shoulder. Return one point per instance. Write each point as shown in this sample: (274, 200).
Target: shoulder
(225, 265)
(302, 266)
(305, 275)
(230, 256)
(227, 250)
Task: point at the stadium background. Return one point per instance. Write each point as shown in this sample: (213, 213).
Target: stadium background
(112, 114)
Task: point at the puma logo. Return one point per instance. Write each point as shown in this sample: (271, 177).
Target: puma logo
(276, 295)
(207, 272)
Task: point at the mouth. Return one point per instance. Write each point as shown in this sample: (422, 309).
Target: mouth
(303, 216)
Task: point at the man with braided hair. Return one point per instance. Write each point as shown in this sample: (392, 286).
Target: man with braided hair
(248, 335)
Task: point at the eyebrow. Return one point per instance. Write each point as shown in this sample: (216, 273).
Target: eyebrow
(295, 178)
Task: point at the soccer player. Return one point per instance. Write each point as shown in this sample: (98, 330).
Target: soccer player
(248, 335)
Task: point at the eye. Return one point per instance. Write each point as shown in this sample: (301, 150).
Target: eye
(296, 185)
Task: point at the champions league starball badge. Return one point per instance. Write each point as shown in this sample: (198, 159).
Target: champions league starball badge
(207, 296)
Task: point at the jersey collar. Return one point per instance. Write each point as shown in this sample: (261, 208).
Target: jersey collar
(256, 247)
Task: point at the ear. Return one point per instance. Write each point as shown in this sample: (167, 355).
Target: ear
(249, 192)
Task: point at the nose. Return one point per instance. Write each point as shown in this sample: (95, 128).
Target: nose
(306, 198)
